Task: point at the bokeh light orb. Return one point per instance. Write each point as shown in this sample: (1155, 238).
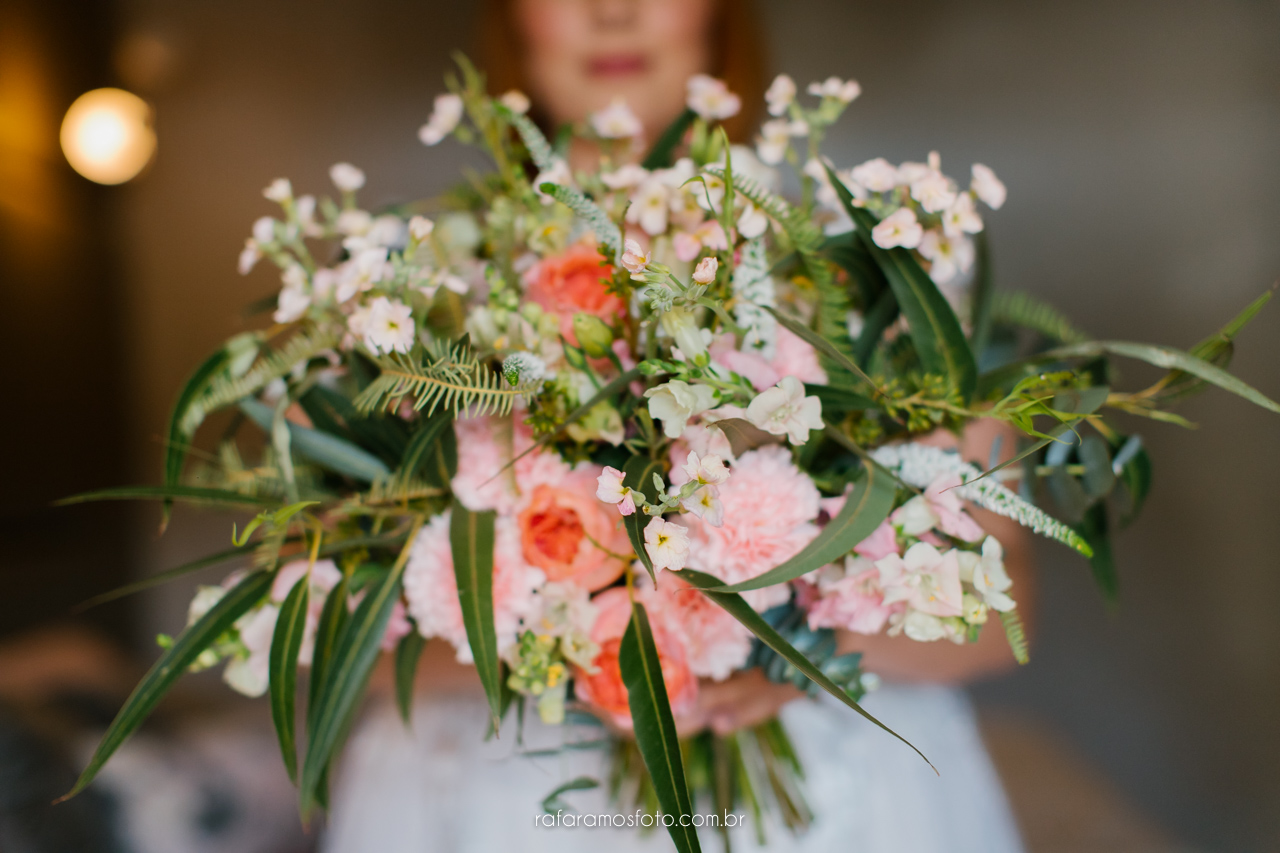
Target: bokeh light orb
(107, 135)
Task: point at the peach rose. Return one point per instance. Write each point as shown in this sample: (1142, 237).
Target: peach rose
(603, 689)
(574, 282)
(557, 529)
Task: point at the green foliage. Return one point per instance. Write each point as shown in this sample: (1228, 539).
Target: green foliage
(865, 508)
(1095, 528)
(655, 726)
(606, 230)
(662, 154)
(408, 651)
(448, 377)
(638, 474)
(1216, 349)
(328, 451)
(552, 802)
(539, 149)
(286, 642)
(172, 663)
(186, 494)
(1016, 635)
(471, 537)
(1015, 308)
(824, 347)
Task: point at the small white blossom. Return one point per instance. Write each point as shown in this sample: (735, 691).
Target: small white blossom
(249, 256)
(634, 259)
(294, 299)
(780, 94)
(934, 192)
(346, 177)
(947, 256)
(625, 177)
(516, 101)
(649, 207)
(708, 469)
(279, 190)
(899, 228)
(785, 410)
(667, 544)
(420, 228)
(705, 503)
(775, 138)
(878, 175)
(609, 488)
(987, 187)
(445, 115)
(989, 578)
(844, 91)
(711, 98)
(676, 401)
(961, 217)
(616, 121)
(353, 223)
(705, 273)
(264, 230)
(752, 221)
(386, 326)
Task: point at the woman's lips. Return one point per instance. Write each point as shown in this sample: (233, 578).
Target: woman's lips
(617, 65)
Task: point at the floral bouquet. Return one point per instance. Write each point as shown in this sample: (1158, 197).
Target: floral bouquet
(609, 431)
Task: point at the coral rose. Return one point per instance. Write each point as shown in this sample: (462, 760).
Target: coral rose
(603, 689)
(559, 525)
(574, 282)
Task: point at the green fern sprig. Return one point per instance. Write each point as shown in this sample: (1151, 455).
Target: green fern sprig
(606, 229)
(1019, 309)
(803, 233)
(450, 376)
(226, 389)
(539, 149)
(1016, 635)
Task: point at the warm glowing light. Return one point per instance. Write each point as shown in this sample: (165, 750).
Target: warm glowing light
(107, 135)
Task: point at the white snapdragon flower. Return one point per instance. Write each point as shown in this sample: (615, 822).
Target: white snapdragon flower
(775, 138)
(625, 177)
(346, 177)
(988, 576)
(934, 192)
(650, 206)
(446, 112)
(366, 268)
(708, 470)
(947, 256)
(294, 300)
(280, 190)
(616, 121)
(516, 101)
(609, 488)
(249, 674)
(264, 230)
(353, 223)
(899, 228)
(987, 187)
(961, 217)
(385, 326)
(785, 410)
(705, 273)
(420, 228)
(705, 503)
(711, 98)
(752, 221)
(667, 544)
(845, 91)
(249, 256)
(676, 401)
(878, 175)
(634, 259)
(922, 627)
(780, 94)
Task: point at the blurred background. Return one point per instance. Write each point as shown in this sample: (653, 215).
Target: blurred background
(1138, 139)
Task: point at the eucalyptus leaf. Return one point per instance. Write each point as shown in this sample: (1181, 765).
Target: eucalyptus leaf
(655, 726)
(282, 684)
(864, 509)
(328, 451)
(733, 604)
(172, 663)
(471, 537)
(1098, 479)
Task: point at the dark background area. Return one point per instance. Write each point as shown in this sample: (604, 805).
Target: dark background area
(1138, 140)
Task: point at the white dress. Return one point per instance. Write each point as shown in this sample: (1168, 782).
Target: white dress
(439, 787)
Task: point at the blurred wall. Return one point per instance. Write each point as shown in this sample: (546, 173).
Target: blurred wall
(1138, 141)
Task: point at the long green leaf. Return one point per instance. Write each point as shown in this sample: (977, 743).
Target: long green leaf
(866, 507)
(471, 537)
(655, 726)
(426, 447)
(162, 577)
(328, 451)
(662, 154)
(175, 660)
(1215, 349)
(189, 494)
(282, 684)
(333, 621)
(1095, 528)
(179, 437)
(408, 651)
(638, 475)
(346, 675)
(733, 604)
(823, 346)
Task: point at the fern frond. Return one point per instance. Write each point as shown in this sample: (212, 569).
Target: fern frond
(398, 490)
(1016, 308)
(226, 389)
(449, 377)
(1016, 635)
(606, 229)
(800, 229)
(539, 148)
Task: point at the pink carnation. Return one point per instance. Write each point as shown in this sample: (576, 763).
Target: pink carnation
(432, 591)
(855, 602)
(485, 445)
(794, 357)
(715, 643)
(769, 510)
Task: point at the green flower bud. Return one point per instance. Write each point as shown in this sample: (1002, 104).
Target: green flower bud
(593, 335)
